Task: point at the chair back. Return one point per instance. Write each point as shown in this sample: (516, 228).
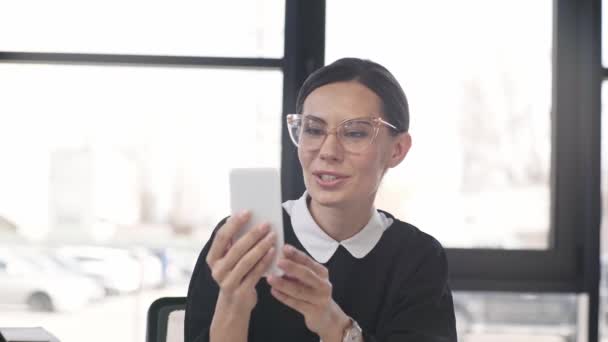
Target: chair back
(166, 320)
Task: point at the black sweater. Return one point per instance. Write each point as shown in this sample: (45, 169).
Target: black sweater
(397, 292)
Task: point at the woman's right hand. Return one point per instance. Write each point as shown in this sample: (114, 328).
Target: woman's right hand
(237, 266)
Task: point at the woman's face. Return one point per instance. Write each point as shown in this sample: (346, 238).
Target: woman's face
(357, 175)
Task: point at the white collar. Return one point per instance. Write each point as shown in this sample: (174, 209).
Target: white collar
(322, 246)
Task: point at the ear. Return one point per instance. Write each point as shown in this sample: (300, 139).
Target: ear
(400, 147)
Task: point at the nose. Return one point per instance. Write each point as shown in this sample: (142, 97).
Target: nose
(331, 149)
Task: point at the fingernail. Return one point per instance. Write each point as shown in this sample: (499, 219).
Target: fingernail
(243, 214)
(264, 228)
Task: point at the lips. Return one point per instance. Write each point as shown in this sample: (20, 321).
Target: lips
(329, 179)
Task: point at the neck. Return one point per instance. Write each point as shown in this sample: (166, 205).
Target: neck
(344, 222)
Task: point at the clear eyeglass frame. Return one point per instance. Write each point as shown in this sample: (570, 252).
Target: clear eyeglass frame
(294, 122)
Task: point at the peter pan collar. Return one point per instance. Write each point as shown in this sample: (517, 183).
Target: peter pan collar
(322, 246)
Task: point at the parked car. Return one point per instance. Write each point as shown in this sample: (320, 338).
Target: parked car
(44, 263)
(180, 263)
(115, 268)
(24, 284)
(151, 267)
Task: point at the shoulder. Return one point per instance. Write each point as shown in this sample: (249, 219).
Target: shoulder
(405, 234)
(413, 250)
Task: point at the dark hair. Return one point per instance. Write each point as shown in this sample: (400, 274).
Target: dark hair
(370, 74)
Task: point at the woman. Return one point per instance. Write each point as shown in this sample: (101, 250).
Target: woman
(352, 273)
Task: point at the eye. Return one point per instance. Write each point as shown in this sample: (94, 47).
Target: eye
(313, 131)
(356, 134)
(313, 128)
(356, 130)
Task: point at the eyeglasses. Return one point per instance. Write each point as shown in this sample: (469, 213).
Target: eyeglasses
(355, 135)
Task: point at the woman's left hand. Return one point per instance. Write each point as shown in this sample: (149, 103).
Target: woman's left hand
(306, 288)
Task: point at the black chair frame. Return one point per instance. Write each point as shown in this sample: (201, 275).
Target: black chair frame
(158, 317)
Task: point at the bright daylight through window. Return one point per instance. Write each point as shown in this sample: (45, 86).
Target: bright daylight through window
(113, 176)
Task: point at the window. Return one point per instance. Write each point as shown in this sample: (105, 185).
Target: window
(480, 102)
(501, 142)
(185, 28)
(115, 165)
(106, 138)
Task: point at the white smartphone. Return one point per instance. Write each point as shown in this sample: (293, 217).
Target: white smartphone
(259, 191)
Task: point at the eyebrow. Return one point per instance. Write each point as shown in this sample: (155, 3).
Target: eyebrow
(315, 118)
(318, 119)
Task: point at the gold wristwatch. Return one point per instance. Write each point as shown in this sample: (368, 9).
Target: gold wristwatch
(353, 332)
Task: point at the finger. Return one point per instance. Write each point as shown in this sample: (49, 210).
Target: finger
(239, 249)
(249, 261)
(300, 257)
(293, 288)
(224, 235)
(298, 305)
(303, 273)
(228, 246)
(252, 278)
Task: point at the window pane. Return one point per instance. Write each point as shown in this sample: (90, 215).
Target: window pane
(114, 178)
(237, 28)
(522, 317)
(479, 89)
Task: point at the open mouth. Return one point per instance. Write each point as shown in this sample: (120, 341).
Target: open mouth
(326, 180)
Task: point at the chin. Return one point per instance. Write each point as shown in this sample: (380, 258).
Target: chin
(326, 201)
(328, 198)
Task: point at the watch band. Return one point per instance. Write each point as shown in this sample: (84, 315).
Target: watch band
(353, 332)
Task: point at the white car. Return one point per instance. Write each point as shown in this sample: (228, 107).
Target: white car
(181, 262)
(23, 283)
(151, 267)
(115, 268)
(44, 262)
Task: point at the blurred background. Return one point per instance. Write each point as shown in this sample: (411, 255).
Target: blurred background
(116, 141)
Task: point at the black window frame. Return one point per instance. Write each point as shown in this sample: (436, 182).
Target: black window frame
(571, 263)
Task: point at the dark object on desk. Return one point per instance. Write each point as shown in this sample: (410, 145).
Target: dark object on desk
(166, 320)
(36, 334)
